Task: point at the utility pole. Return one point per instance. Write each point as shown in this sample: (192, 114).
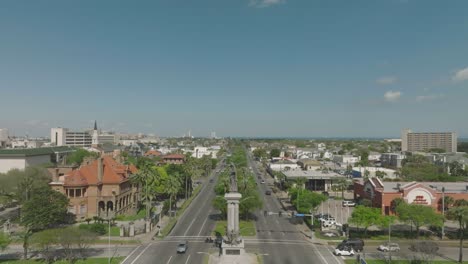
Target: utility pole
(443, 211)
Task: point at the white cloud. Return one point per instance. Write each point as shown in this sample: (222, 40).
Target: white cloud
(265, 3)
(429, 97)
(386, 80)
(461, 75)
(392, 96)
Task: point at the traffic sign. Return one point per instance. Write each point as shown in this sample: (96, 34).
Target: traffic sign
(299, 215)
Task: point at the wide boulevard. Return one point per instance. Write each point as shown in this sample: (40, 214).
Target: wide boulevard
(277, 240)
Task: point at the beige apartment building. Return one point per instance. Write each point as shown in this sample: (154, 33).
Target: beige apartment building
(423, 141)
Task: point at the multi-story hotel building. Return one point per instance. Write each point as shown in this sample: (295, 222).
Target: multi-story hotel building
(423, 141)
(64, 137)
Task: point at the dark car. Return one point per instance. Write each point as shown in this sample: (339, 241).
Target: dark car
(268, 192)
(356, 243)
(211, 180)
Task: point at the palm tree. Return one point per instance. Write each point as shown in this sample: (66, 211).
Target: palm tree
(460, 214)
(172, 186)
(146, 178)
(342, 185)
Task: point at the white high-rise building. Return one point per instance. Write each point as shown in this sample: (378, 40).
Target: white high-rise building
(3, 137)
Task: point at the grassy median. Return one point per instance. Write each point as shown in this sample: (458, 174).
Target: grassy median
(247, 228)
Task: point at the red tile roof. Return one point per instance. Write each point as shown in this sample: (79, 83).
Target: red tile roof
(174, 156)
(113, 173)
(153, 153)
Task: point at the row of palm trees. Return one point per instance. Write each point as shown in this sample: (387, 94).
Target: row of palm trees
(154, 180)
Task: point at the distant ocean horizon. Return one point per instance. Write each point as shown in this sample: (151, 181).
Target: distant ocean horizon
(335, 138)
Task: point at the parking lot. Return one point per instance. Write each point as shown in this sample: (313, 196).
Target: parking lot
(335, 208)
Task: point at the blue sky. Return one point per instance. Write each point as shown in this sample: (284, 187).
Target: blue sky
(238, 67)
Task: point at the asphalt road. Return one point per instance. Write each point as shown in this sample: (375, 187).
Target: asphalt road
(280, 241)
(194, 226)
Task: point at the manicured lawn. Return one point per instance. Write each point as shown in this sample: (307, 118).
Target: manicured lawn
(116, 260)
(114, 231)
(247, 228)
(140, 215)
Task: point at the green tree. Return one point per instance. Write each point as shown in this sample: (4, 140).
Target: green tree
(363, 216)
(456, 169)
(220, 204)
(171, 188)
(46, 243)
(149, 181)
(79, 155)
(418, 215)
(74, 241)
(260, 153)
(380, 174)
(342, 185)
(305, 201)
(46, 208)
(460, 214)
(275, 153)
(4, 241)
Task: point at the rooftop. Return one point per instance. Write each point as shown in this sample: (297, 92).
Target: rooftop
(34, 151)
(294, 174)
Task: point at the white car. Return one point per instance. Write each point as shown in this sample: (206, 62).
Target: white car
(389, 247)
(348, 203)
(344, 251)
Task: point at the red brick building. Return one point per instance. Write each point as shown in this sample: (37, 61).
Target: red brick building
(174, 159)
(100, 188)
(381, 194)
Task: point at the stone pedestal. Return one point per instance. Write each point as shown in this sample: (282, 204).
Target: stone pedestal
(122, 230)
(131, 232)
(147, 226)
(233, 244)
(233, 249)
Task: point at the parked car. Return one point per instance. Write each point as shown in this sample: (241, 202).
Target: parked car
(327, 219)
(320, 215)
(344, 251)
(268, 192)
(182, 247)
(356, 244)
(389, 247)
(348, 203)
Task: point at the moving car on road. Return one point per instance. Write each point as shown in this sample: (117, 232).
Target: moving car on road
(263, 181)
(356, 244)
(268, 192)
(389, 247)
(344, 251)
(182, 247)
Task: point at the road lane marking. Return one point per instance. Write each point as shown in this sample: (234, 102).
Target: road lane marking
(169, 260)
(187, 259)
(188, 228)
(131, 253)
(141, 253)
(204, 222)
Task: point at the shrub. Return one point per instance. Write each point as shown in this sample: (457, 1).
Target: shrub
(97, 228)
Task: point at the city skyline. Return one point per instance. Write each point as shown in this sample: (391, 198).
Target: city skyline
(252, 68)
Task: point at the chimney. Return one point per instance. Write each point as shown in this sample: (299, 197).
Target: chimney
(100, 169)
(55, 175)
